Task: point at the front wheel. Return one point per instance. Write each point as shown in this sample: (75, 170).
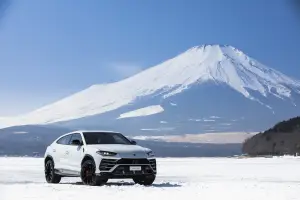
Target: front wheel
(88, 175)
(144, 180)
(50, 175)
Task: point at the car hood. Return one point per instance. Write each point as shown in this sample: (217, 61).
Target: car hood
(120, 148)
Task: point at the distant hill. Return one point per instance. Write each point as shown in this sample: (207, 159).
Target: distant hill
(282, 139)
(28, 140)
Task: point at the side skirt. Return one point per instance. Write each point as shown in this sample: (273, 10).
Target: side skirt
(67, 173)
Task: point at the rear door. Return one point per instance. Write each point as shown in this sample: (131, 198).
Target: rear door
(60, 152)
(76, 153)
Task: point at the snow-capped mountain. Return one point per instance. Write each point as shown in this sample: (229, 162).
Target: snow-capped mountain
(206, 86)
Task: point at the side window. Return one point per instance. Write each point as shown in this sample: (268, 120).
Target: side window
(64, 140)
(76, 136)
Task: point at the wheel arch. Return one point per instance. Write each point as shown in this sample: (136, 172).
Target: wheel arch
(48, 157)
(87, 157)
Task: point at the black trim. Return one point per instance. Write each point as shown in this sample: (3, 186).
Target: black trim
(153, 163)
(107, 164)
(123, 171)
(109, 175)
(137, 161)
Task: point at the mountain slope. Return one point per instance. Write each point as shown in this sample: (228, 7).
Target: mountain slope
(221, 66)
(282, 139)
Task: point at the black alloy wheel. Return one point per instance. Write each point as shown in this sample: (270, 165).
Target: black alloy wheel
(88, 175)
(50, 175)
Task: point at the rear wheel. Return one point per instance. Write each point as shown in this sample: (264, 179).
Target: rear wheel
(88, 175)
(144, 180)
(50, 175)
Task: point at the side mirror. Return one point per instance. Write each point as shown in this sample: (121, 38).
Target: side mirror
(133, 142)
(76, 142)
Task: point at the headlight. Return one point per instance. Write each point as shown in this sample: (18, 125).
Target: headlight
(106, 153)
(150, 154)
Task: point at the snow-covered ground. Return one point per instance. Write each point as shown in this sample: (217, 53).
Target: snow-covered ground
(180, 178)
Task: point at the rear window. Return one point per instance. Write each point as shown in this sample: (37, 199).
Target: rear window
(64, 140)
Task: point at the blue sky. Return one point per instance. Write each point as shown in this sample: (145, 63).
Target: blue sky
(52, 48)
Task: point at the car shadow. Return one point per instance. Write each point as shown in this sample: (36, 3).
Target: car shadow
(158, 185)
(18, 182)
(166, 185)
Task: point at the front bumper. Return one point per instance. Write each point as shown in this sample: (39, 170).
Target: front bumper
(112, 168)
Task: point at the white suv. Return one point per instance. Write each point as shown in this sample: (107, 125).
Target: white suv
(97, 156)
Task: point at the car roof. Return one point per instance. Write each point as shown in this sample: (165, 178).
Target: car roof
(93, 131)
(86, 131)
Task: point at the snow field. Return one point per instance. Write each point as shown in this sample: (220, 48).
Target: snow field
(178, 178)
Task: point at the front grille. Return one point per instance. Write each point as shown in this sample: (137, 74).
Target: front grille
(127, 161)
(107, 164)
(125, 170)
(153, 164)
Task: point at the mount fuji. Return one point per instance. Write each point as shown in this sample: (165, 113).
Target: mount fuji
(209, 88)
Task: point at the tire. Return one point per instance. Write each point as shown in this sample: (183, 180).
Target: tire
(104, 180)
(88, 175)
(145, 180)
(50, 175)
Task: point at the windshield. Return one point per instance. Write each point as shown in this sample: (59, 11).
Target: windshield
(105, 138)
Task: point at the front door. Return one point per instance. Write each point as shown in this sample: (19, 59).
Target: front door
(76, 153)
